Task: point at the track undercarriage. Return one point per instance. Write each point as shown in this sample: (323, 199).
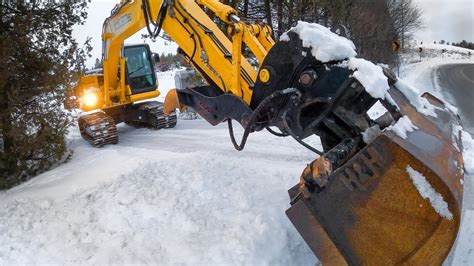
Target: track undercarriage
(149, 115)
(100, 128)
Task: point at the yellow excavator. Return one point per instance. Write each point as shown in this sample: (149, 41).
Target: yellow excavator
(391, 200)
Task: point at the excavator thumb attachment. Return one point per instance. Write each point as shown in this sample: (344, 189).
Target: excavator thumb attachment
(395, 201)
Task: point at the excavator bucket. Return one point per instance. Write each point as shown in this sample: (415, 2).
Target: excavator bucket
(396, 201)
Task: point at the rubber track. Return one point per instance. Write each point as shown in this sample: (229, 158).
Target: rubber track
(98, 129)
(156, 118)
(162, 121)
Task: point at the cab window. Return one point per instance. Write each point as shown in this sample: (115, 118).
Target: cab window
(139, 69)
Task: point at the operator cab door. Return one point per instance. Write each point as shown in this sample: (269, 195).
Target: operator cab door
(140, 69)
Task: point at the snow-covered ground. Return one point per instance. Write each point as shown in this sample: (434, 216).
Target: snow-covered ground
(182, 195)
(440, 52)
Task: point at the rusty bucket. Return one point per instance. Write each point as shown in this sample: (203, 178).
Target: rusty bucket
(374, 211)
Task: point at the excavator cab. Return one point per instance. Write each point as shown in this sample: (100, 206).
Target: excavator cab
(140, 73)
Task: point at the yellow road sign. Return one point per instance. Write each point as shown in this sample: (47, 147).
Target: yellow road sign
(396, 45)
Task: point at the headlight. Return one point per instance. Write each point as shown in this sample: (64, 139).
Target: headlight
(90, 98)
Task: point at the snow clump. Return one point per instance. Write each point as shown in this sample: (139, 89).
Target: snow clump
(370, 76)
(427, 192)
(413, 95)
(325, 45)
(403, 126)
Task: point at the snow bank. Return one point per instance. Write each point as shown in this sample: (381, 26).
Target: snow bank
(159, 214)
(429, 193)
(325, 45)
(447, 48)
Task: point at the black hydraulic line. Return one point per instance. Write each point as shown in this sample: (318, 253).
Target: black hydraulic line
(191, 26)
(198, 36)
(251, 120)
(278, 134)
(216, 40)
(161, 18)
(191, 16)
(192, 35)
(306, 145)
(148, 18)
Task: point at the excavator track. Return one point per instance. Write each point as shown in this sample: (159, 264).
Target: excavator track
(98, 129)
(159, 120)
(150, 115)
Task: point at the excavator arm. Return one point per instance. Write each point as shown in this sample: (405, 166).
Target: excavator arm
(201, 41)
(384, 190)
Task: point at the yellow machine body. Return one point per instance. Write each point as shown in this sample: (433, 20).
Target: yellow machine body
(234, 76)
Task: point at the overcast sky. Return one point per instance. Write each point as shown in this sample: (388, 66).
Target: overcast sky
(99, 10)
(450, 20)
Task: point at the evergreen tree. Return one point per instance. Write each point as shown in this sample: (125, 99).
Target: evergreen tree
(371, 25)
(40, 59)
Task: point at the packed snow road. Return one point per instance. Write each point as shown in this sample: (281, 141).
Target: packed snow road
(182, 195)
(458, 84)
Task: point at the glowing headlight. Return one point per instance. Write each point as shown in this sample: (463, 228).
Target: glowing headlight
(90, 98)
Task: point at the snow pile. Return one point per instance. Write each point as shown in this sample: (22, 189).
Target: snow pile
(428, 192)
(370, 76)
(413, 95)
(464, 254)
(162, 213)
(325, 45)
